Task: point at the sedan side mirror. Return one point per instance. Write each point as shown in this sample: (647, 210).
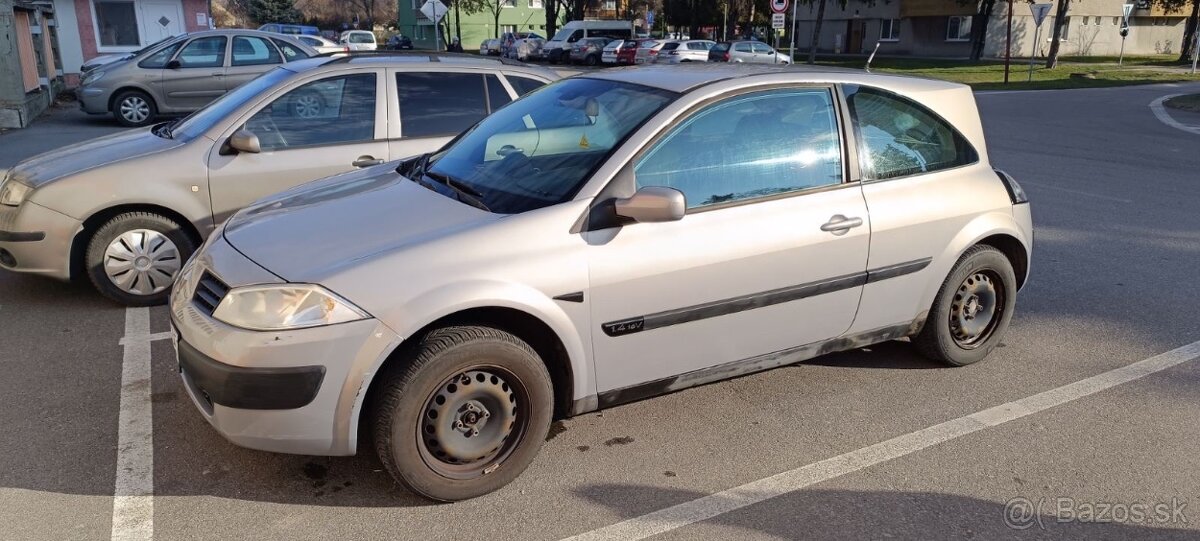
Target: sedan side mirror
(245, 141)
(653, 204)
(174, 65)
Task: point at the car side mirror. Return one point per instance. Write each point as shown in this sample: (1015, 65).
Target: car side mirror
(244, 140)
(174, 65)
(653, 204)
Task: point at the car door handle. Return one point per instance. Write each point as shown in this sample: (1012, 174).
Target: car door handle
(218, 74)
(366, 161)
(839, 225)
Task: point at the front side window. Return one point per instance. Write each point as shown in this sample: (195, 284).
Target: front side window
(203, 53)
(889, 30)
(897, 137)
(958, 28)
(750, 146)
(439, 104)
(336, 110)
(540, 149)
(252, 51)
(116, 23)
(159, 58)
(763, 48)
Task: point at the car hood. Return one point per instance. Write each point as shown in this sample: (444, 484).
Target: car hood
(104, 60)
(77, 158)
(309, 233)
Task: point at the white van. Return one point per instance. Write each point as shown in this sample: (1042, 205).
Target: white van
(559, 46)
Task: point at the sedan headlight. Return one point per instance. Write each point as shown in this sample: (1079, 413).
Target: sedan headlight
(284, 306)
(12, 193)
(91, 77)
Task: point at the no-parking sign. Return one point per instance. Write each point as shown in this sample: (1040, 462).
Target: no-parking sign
(779, 6)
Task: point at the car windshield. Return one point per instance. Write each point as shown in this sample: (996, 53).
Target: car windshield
(539, 150)
(204, 119)
(563, 34)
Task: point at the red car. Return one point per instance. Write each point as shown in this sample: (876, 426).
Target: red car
(628, 51)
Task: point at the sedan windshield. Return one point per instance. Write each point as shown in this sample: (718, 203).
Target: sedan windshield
(539, 150)
(200, 121)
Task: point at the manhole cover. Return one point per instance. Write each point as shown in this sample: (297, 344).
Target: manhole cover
(164, 20)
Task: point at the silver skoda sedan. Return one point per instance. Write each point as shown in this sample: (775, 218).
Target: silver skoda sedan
(606, 238)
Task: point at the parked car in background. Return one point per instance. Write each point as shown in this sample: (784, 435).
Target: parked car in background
(358, 40)
(575, 251)
(628, 52)
(527, 49)
(127, 210)
(558, 48)
(322, 45)
(611, 51)
(750, 52)
(647, 51)
(490, 47)
(290, 29)
(588, 51)
(508, 42)
(693, 50)
(185, 73)
(398, 42)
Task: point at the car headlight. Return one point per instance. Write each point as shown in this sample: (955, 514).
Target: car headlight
(279, 307)
(12, 193)
(91, 77)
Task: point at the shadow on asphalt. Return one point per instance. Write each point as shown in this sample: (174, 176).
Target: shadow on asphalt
(828, 514)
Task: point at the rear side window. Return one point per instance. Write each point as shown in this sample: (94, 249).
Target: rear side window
(252, 51)
(748, 147)
(438, 104)
(670, 46)
(742, 47)
(898, 137)
(292, 52)
(524, 85)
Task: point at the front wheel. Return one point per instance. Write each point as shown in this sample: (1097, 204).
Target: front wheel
(464, 415)
(972, 309)
(134, 108)
(134, 257)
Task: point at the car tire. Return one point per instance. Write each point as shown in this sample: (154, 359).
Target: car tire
(134, 257)
(447, 373)
(134, 108)
(972, 310)
(307, 104)
(593, 60)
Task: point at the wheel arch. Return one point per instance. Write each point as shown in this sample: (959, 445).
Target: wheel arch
(1014, 250)
(112, 98)
(97, 220)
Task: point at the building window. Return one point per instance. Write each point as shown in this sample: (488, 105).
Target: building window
(535, 4)
(610, 5)
(1066, 29)
(1116, 21)
(116, 23)
(508, 28)
(508, 3)
(958, 28)
(889, 30)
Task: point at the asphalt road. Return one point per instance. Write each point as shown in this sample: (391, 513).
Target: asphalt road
(1113, 282)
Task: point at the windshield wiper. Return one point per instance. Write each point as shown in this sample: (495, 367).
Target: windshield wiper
(464, 191)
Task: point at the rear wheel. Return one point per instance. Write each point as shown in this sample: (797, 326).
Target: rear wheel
(134, 108)
(464, 415)
(134, 257)
(972, 310)
(592, 60)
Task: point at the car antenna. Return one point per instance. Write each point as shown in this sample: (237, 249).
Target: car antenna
(867, 67)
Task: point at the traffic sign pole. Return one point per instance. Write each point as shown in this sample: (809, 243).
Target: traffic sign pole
(792, 35)
(1039, 14)
(1008, 42)
(1127, 9)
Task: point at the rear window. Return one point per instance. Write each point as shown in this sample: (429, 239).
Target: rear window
(362, 37)
(671, 46)
(720, 47)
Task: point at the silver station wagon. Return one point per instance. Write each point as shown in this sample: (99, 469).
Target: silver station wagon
(606, 238)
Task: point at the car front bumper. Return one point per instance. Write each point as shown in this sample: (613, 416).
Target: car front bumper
(93, 100)
(296, 391)
(37, 240)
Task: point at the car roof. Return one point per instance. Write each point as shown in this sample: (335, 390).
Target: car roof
(685, 77)
(403, 58)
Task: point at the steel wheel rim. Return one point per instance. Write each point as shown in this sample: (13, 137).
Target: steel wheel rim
(307, 107)
(977, 308)
(142, 262)
(135, 109)
(472, 422)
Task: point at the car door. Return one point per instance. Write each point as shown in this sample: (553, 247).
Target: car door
(249, 57)
(763, 53)
(196, 75)
(770, 255)
(314, 128)
(432, 107)
(742, 52)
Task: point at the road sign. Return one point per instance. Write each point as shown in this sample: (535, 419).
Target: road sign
(434, 10)
(778, 20)
(779, 6)
(650, 19)
(1127, 9)
(1039, 12)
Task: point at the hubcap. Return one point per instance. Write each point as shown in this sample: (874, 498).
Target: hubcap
(976, 308)
(135, 109)
(142, 262)
(472, 422)
(307, 107)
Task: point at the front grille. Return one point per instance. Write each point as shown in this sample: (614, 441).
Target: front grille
(209, 292)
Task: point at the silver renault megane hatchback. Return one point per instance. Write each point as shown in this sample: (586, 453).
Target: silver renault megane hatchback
(606, 238)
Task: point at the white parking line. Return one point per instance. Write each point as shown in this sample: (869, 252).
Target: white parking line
(789, 481)
(133, 499)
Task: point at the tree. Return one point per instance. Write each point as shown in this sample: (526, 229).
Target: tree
(816, 34)
(272, 11)
(495, 7)
(979, 26)
(1060, 19)
(1189, 33)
